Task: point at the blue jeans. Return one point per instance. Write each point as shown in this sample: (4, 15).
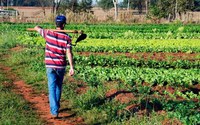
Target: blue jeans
(55, 79)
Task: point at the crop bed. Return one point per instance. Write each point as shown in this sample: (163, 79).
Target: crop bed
(125, 72)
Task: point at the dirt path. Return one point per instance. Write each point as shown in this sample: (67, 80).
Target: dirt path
(39, 102)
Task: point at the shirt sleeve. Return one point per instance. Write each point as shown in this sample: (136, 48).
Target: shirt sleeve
(42, 32)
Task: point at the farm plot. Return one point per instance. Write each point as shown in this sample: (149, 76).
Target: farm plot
(139, 74)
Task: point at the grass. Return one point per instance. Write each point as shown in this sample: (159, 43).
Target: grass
(28, 64)
(14, 110)
(153, 119)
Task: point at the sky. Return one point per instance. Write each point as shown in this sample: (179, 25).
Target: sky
(94, 1)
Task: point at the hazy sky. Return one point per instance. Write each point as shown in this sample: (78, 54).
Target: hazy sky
(94, 1)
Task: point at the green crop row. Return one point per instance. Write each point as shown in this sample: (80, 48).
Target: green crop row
(122, 31)
(142, 28)
(108, 61)
(122, 45)
(132, 75)
(137, 35)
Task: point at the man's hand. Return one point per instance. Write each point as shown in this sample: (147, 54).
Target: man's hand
(71, 72)
(37, 28)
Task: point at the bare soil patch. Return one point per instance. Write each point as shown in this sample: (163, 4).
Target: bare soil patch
(17, 48)
(120, 95)
(171, 122)
(81, 86)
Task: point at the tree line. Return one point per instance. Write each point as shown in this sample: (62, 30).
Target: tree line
(153, 8)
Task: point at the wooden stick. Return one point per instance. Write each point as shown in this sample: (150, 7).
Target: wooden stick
(56, 30)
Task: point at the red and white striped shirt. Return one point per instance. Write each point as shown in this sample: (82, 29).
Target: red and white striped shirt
(56, 45)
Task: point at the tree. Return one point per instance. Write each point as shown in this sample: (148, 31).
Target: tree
(43, 4)
(85, 5)
(170, 8)
(56, 5)
(76, 5)
(105, 4)
(108, 4)
(71, 5)
(133, 4)
(196, 5)
(30, 3)
(18, 2)
(115, 2)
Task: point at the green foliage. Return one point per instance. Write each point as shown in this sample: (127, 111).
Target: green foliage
(141, 45)
(105, 4)
(134, 4)
(76, 6)
(155, 11)
(180, 110)
(111, 31)
(164, 8)
(7, 42)
(196, 5)
(85, 5)
(10, 9)
(175, 77)
(108, 61)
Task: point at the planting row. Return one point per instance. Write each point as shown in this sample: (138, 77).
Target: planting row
(108, 61)
(131, 75)
(142, 28)
(138, 35)
(123, 31)
(123, 45)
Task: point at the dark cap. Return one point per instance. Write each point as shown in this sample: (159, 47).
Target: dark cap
(61, 19)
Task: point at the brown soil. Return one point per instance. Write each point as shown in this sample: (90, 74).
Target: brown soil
(17, 48)
(171, 122)
(120, 95)
(161, 89)
(161, 56)
(39, 102)
(81, 86)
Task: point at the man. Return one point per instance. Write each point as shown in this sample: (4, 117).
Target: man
(58, 44)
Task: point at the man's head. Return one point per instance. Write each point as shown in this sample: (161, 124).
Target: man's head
(60, 21)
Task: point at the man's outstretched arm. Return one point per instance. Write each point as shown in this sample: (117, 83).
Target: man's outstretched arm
(70, 59)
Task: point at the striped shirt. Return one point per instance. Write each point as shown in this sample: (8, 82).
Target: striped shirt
(56, 45)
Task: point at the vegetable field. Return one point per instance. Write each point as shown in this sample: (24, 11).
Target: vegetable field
(124, 74)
